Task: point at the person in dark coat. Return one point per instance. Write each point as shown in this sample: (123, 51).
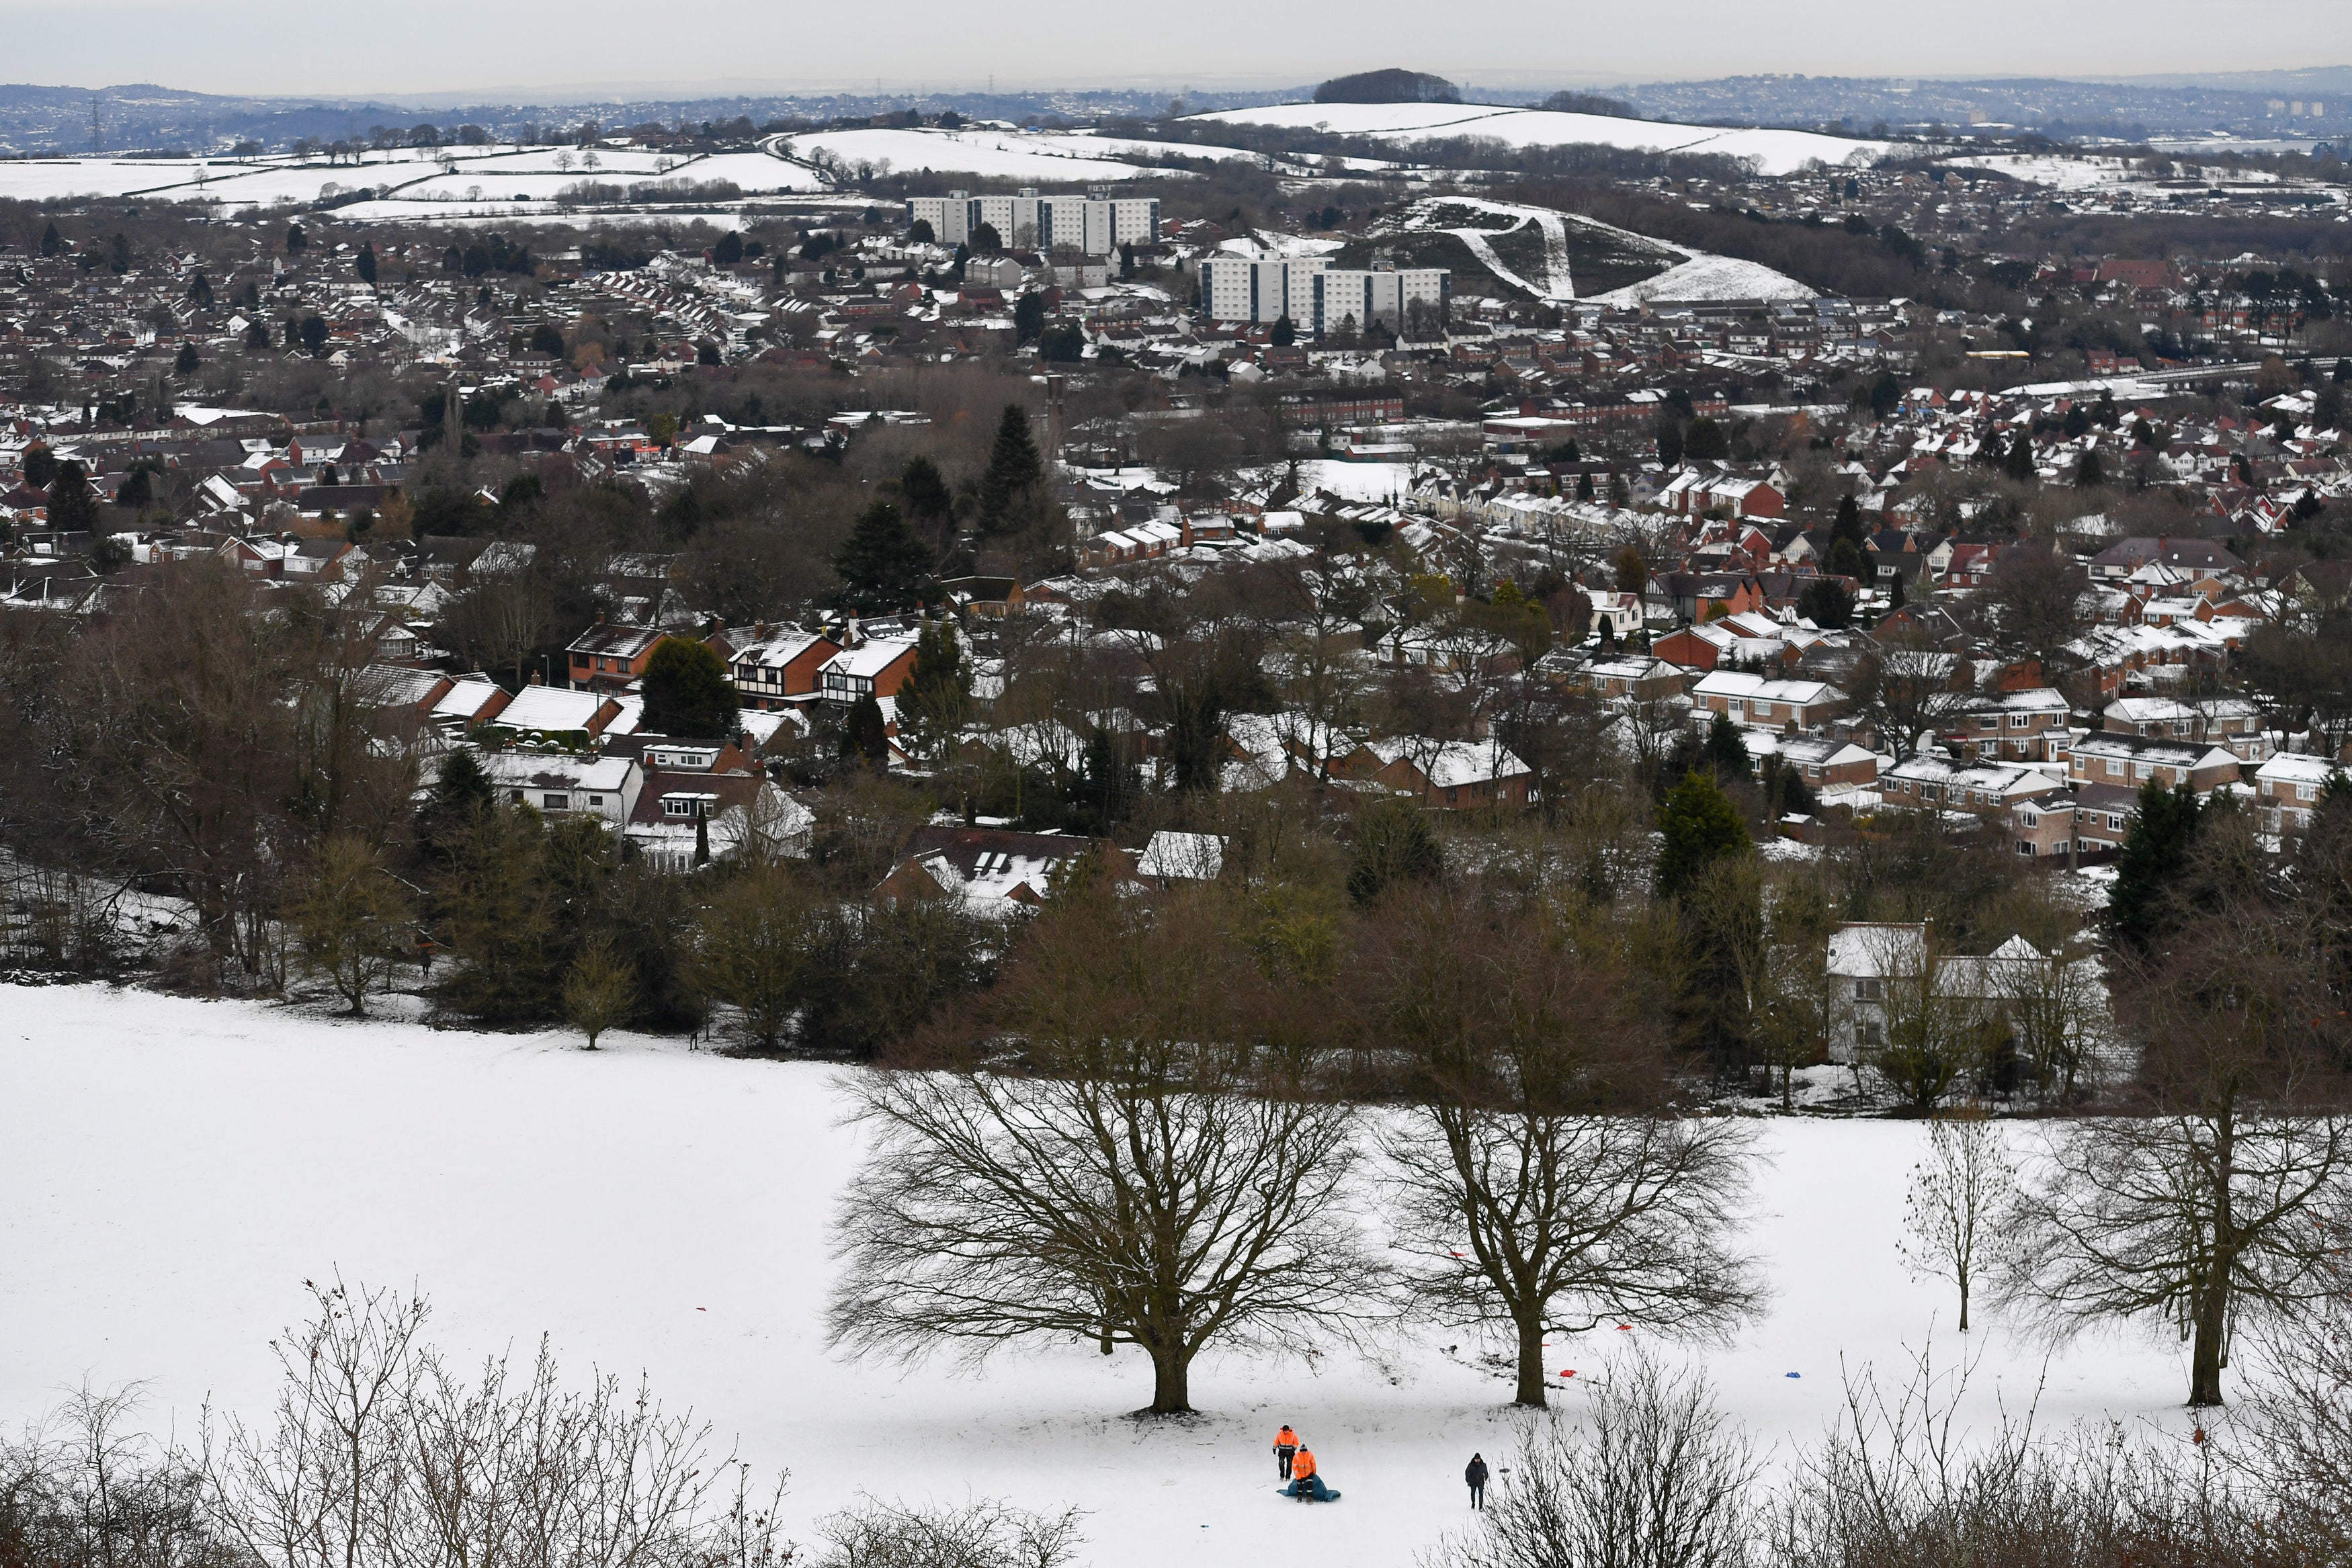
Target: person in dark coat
(1477, 1476)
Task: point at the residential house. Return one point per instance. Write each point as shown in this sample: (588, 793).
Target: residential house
(1882, 972)
(2011, 726)
(1760, 702)
(1935, 783)
(2234, 722)
(996, 871)
(1830, 764)
(1450, 775)
(2288, 788)
(2132, 760)
(611, 655)
(561, 784)
(771, 670)
(877, 669)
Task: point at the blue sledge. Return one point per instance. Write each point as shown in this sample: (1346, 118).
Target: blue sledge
(1292, 1490)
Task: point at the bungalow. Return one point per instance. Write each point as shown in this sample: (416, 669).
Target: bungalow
(556, 711)
(603, 787)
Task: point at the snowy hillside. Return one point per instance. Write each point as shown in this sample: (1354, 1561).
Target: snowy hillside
(1558, 256)
(174, 1169)
(1775, 152)
(506, 179)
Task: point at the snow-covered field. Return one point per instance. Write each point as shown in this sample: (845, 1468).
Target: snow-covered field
(1775, 152)
(174, 1169)
(407, 175)
(1040, 155)
(1710, 278)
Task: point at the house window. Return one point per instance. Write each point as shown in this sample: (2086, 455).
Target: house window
(2019, 720)
(1867, 989)
(2028, 820)
(556, 800)
(2180, 726)
(2115, 824)
(595, 800)
(2143, 770)
(2307, 791)
(1987, 724)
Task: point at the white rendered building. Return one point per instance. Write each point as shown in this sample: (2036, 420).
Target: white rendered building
(1096, 223)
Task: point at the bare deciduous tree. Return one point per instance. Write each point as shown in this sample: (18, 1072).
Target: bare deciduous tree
(1141, 1159)
(378, 1452)
(1531, 1202)
(2199, 1204)
(1653, 1476)
(1951, 1208)
(984, 1534)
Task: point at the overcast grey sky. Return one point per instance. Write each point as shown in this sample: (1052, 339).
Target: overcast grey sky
(408, 46)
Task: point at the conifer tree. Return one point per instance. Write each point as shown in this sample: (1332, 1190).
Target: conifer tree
(1013, 468)
(937, 696)
(882, 563)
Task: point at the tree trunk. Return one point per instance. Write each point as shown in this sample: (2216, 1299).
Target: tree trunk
(1171, 1384)
(2211, 1304)
(2205, 1354)
(1532, 1391)
(1964, 1301)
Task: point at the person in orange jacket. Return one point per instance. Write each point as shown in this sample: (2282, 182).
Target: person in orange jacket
(1286, 1443)
(1305, 1484)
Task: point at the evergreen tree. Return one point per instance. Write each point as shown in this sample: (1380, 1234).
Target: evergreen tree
(2154, 855)
(1393, 844)
(1704, 442)
(863, 735)
(51, 241)
(882, 564)
(118, 254)
(1028, 316)
(365, 262)
(73, 504)
(39, 464)
(687, 693)
(1846, 560)
(1826, 604)
(1848, 525)
(295, 239)
(1285, 332)
(937, 696)
(1700, 826)
(2020, 467)
(1725, 751)
(2089, 473)
(925, 491)
(1013, 468)
(186, 361)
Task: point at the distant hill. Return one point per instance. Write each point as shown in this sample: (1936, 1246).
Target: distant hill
(1389, 87)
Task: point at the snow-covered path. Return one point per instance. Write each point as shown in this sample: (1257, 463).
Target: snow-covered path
(173, 1170)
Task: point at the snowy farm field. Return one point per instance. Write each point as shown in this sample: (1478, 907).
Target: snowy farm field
(174, 1170)
(1402, 124)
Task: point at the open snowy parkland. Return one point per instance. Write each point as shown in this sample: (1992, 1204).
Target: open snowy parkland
(173, 1170)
